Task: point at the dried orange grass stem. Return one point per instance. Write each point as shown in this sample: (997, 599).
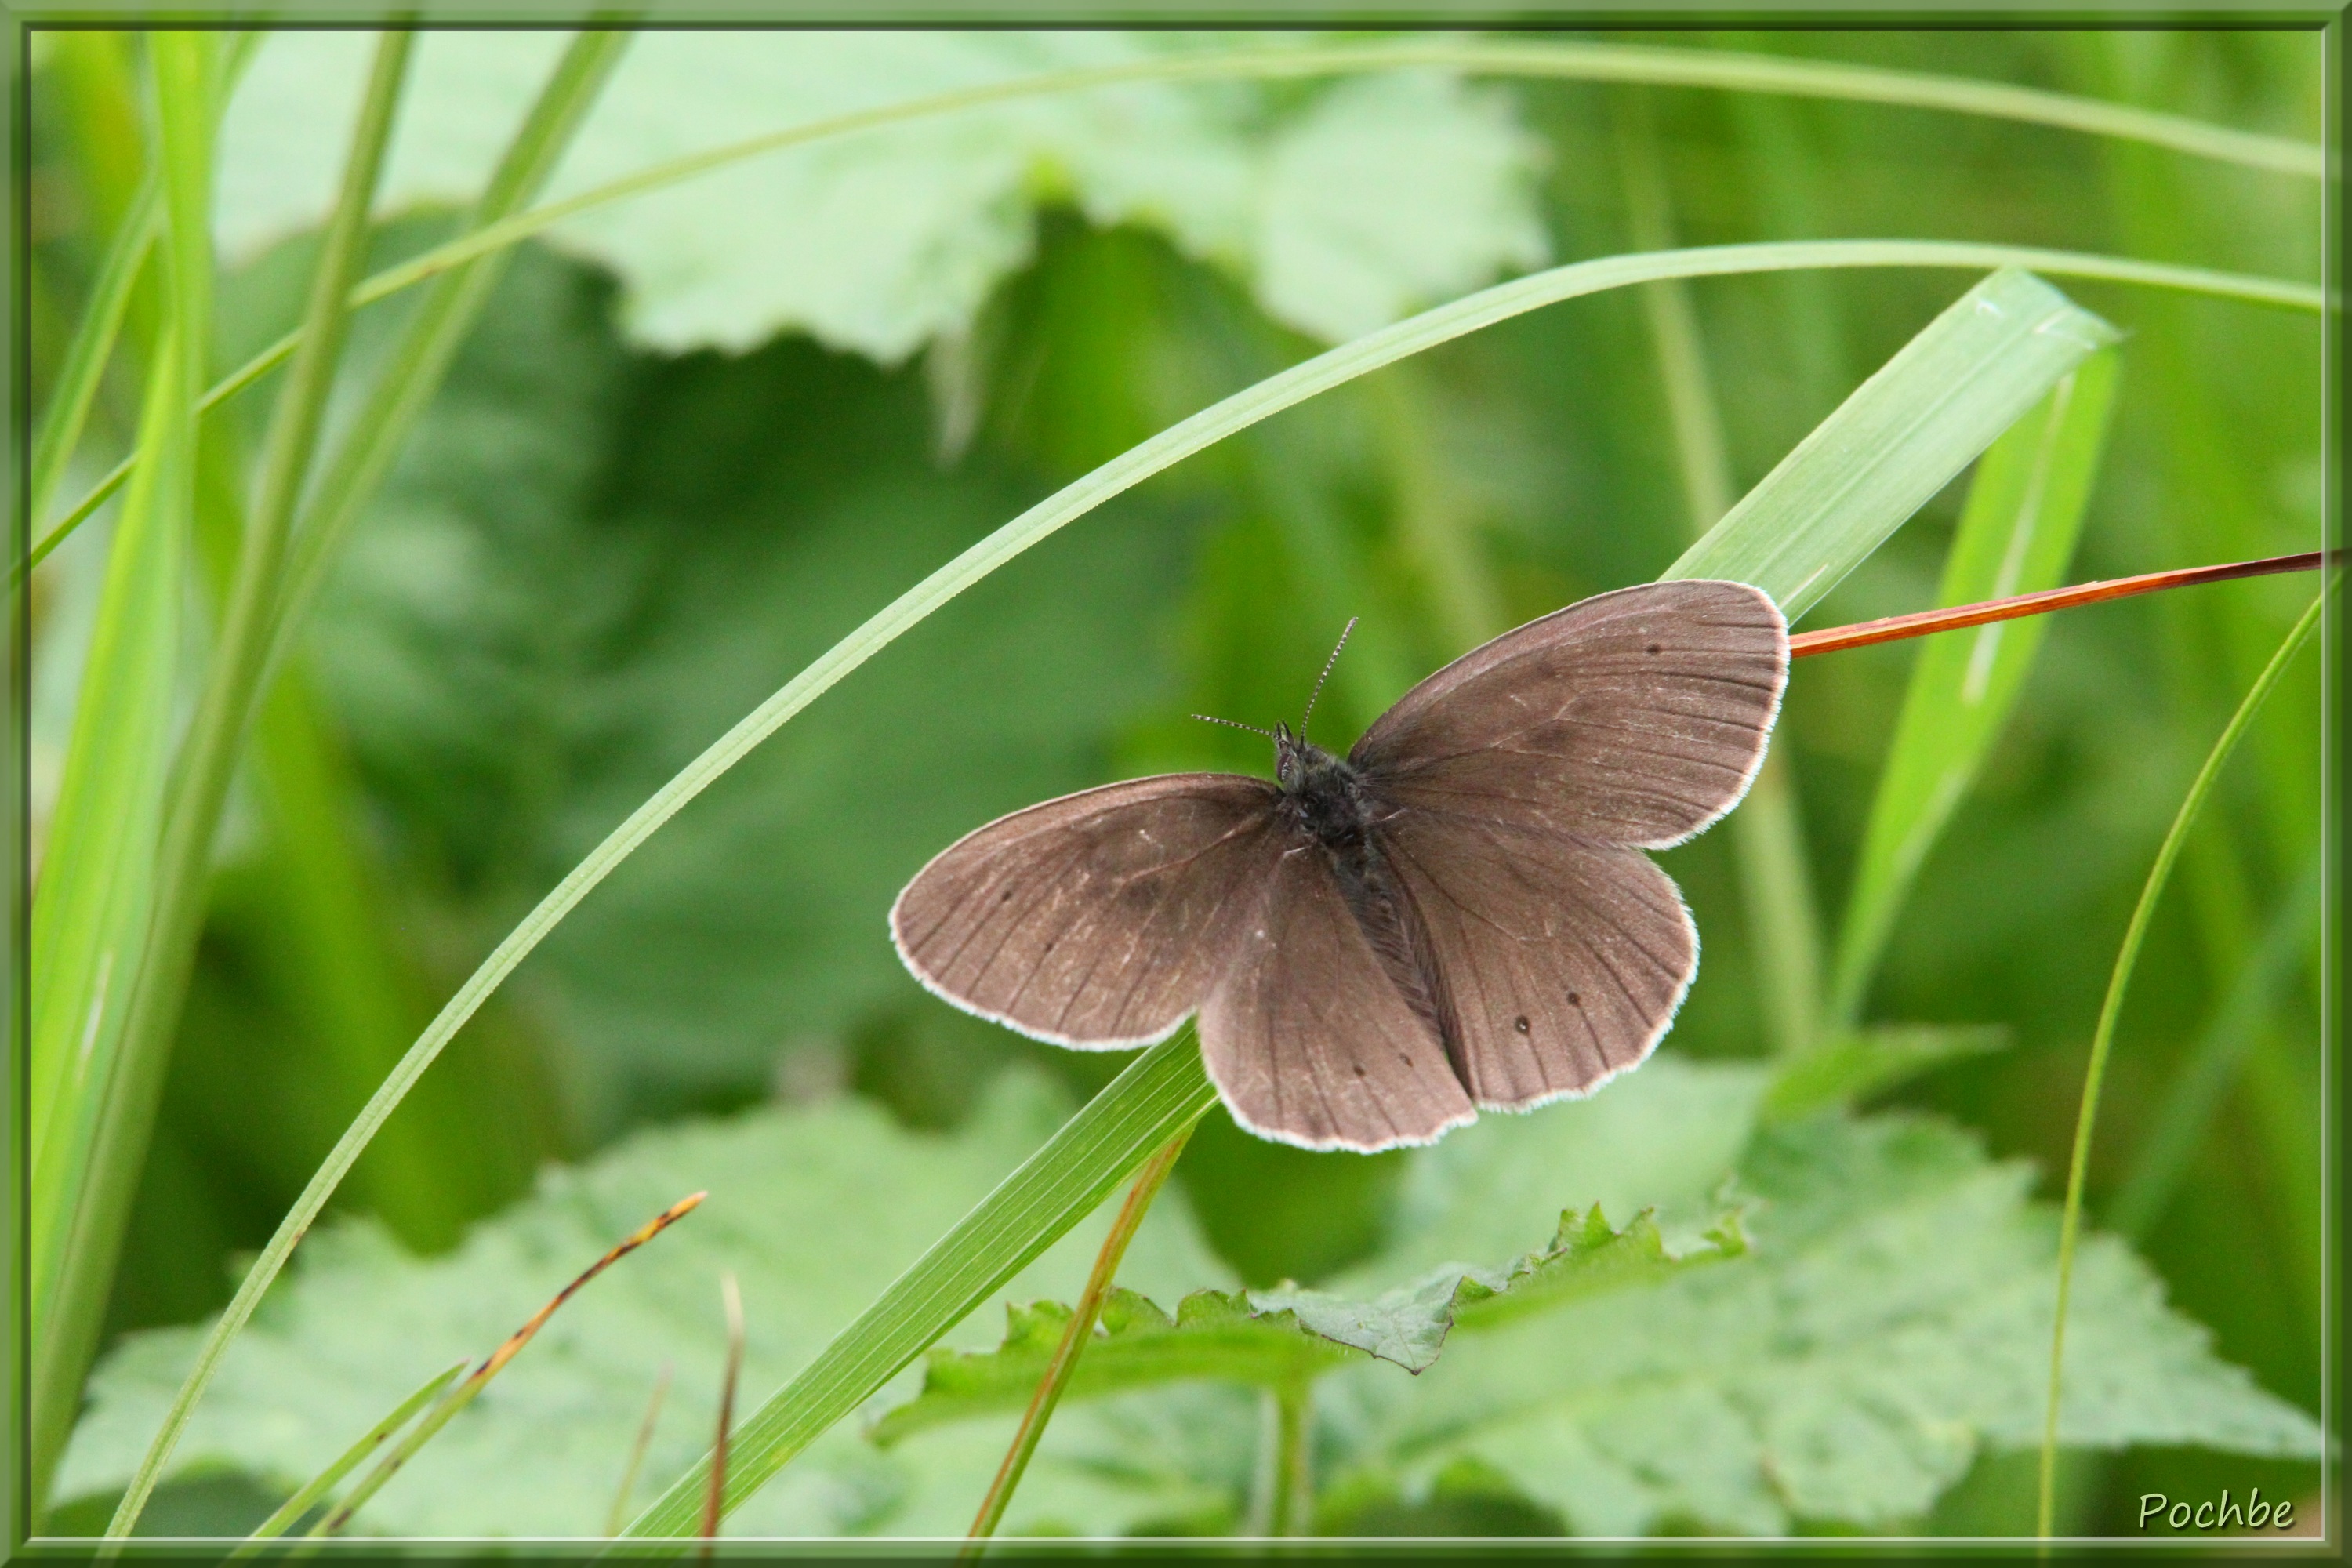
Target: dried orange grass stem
(1892, 628)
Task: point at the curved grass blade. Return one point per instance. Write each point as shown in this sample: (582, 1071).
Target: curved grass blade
(2196, 1096)
(319, 1485)
(2016, 534)
(1203, 430)
(1586, 61)
(2103, 1036)
(1766, 256)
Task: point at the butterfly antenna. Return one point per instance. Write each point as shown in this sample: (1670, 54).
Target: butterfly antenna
(1234, 723)
(1344, 634)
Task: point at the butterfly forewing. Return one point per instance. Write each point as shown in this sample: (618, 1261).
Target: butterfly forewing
(1563, 960)
(1098, 919)
(1309, 1041)
(1635, 717)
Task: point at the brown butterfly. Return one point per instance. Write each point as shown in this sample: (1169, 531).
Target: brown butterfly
(1456, 916)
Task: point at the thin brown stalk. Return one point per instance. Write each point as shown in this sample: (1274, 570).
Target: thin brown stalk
(1893, 628)
(1080, 1329)
(462, 1395)
(714, 1505)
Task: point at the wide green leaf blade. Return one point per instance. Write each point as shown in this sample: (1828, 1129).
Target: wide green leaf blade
(1890, 1324)
(2024, 512)
(1213, 1335)
(1903, 433)
(816, 1207)
(1274, 1338)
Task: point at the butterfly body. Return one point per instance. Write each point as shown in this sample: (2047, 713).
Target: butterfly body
(1454, 915)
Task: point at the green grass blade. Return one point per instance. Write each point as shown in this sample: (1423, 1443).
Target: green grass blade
(1162, 1093)
(1901, 438)
(2213, 1063)
(2024, 512)
(92, 345)
(1783, 256)
(440, 326)
(1212, 425)
(277, 598)
(2103, 1036)
(90, 905)
(90, 940)
(199, 777)
(375, 1437)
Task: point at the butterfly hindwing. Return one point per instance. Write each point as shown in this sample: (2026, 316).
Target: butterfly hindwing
(1309, 1041)
(1098, 919)
(1562, 960)
(1634, 717)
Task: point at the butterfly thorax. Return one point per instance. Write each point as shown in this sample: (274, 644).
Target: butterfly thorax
(1323, 793)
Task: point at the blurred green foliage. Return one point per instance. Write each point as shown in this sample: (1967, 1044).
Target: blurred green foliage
(595, 556)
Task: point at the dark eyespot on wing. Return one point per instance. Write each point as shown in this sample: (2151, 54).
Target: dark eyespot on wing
(1098, 919)
(1636, 717)
(1563, 961)
(1309, 1042)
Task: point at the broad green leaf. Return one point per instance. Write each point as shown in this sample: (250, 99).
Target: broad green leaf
(1899, 438)
(1891, 1323)
(1346, 207)
(1271, 1339)
(1213, 1335)
(2024, 512)
(1881, 1329)
(1849, 1066)
(815, 1209)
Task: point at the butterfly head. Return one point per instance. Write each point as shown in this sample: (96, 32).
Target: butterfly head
(1293, 757)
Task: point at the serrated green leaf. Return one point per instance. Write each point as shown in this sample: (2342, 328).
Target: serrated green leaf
(1409, 1325)
(1213, 1335)
(1887, 1325)
(1346, 207)
(1856, 1064)
(816, 1209)
(1890, 1323)
(1278, 1338)
(2024, 512)
(1925, 416)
